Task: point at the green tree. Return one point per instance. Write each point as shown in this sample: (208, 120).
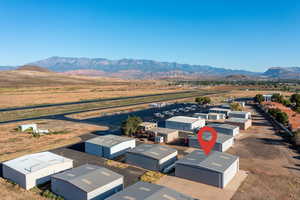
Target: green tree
(259, 98)
(130, 125)
(282, 117)
(295, 98)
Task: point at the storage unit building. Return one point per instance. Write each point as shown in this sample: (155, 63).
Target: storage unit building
(184, 123)
(201, 115)
(223, 143)
(148, 191)
(219, 110)
(242, 123)
(239, 114)
(87, 182)
(152, 156)
(109, 146)
(216, 169)
(225, 128)
(34, 169)
(216, 116)
(168, 134)
(145, 126)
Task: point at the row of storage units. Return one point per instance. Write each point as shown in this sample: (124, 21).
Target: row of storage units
(210, 116)
(89, 182)
(242, 123)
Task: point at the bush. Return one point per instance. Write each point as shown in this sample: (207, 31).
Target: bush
(48, 194)
(277, 98)
(236, 106)
(280, 116)
(203, 100)
(296, 138)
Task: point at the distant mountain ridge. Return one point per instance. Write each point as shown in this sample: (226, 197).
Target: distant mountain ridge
(134, 67)
(283, 73)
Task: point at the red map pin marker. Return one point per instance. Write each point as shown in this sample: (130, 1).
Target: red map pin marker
(207, 145)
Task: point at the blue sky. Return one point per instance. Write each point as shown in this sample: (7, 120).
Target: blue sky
(237, 34)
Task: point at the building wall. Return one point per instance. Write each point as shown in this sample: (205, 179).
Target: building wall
(67, 190)
(43, 175)
(237, 115)
(198, 124)
(14, 176)
(93, 149)
(226, 145)
(142, 161)
(230, 173)
(107, 190)
(167, 161)
(228, 131)
(169, 137)
(118, 149)
(199, 175)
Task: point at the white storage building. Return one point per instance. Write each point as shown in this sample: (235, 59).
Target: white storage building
(109, 146)
(87, 182)
(239, 114)
(34, 169)
(223, 143)
(184, 123)
(242, 123)
(26, 127)
(201, 115)
(152, 156)
(220, 110)
(216, 116)
(225, 128)
(216, 169)
(169, 135)
(148, 191)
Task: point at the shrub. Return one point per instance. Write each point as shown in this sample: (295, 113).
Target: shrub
(130, 125)
(203, 100)
(236, 106)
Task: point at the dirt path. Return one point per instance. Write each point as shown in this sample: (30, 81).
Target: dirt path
(274, 168)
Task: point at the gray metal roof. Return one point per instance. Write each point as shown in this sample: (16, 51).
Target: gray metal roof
(155, 151)
(240, 112)
(148, 191)
(165, 131)
(109, 140)
(220, 139)
(215, 161)
(227, 126)
(237, 120)
(88, 177)
(184, 119)
(221, 109)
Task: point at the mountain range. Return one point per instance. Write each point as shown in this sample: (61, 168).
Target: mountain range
(142, 69)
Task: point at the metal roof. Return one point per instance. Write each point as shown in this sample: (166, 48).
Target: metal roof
(227, 126)
(215, 161)
(184, 119)
(148, 191)
(161, 130)
(221, 109)
(88, 177)
(34, 162)
(220, 139)
(155, 151)
(109, 140)
(237, 120)
(240, 112)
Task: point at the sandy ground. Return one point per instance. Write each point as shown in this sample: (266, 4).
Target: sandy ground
(15, 143)
(204, 191)
(47, 95)
(274, 168)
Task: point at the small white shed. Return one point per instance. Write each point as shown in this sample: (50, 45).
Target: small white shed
(184, 123)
